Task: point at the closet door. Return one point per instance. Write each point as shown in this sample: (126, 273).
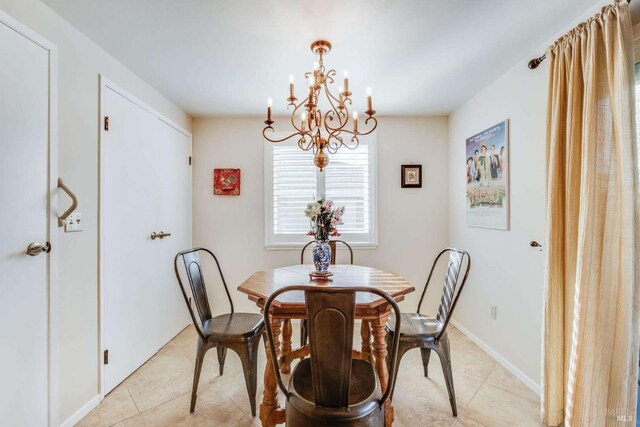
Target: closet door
(27, 123)
(145, 189)
(174, 216)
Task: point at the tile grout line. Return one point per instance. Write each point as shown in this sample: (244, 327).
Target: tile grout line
(131, 396)
(476, 392)
(134, 404)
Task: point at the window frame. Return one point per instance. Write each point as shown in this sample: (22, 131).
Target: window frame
(271, 242)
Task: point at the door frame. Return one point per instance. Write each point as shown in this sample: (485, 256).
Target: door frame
(52, 208)
(106, 84)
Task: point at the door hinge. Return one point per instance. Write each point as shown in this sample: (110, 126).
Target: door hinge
(189, 160)
(106, 122)
(106, 357)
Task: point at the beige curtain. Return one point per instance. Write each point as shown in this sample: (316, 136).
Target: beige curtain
(591, 310)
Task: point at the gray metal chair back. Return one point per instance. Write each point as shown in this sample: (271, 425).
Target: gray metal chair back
(193, 269)
(330, 313)
(332, 244)
(456, 260)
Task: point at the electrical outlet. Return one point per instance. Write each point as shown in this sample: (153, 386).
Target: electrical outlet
(73, 223)
(494, 312)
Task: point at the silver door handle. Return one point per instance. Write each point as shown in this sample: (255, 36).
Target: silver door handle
(74, 202)
(160, 235)
(35, 248)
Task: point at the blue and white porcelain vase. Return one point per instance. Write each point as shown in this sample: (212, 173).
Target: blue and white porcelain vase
(321, 256)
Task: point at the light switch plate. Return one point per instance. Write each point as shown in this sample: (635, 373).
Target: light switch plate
(73, 222)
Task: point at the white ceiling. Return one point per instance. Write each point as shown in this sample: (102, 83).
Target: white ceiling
(215, 57)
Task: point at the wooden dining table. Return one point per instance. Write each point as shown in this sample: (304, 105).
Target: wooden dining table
(370, 308)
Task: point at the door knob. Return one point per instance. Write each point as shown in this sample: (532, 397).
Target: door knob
(160, 235)
(535, 244)
(35, 248)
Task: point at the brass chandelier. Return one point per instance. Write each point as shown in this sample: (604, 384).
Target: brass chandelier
(317, 131)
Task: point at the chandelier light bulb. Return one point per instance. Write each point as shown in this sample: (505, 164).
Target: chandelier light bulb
(340, 90)
(303, 116)
(269, 121)
(291, 78)
(355, 121)
(368, 91)
(312, 80)
(346, 74)
(315, 66)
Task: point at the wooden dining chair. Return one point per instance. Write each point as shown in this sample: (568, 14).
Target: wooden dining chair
(430, 333)
(332, 245)
(239, 332)
(330, 388)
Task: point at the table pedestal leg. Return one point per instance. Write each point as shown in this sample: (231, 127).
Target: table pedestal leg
(380, 354)
(286, 346)
(365, 333)
(269, 404)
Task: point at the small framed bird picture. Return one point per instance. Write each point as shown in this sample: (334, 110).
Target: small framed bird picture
(226, 182)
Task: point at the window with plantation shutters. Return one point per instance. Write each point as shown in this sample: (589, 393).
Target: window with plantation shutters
(292, 181)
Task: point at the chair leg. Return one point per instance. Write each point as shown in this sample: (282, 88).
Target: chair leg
(426, 355)
(200, 352)
(443, 350)
(222, 355)
(402, 349)
(248, 353)
(303, 332)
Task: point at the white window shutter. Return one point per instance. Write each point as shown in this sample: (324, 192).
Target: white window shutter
(294, 185)
(292, 181)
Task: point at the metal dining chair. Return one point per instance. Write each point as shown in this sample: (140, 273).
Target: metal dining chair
(430, 333)
(330, 387)
(332, 245)
(239, 332)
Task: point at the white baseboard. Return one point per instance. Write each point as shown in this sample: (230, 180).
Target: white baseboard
(501, 360)
(82, 412)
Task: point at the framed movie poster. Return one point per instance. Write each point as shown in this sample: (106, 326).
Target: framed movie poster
(487, 162)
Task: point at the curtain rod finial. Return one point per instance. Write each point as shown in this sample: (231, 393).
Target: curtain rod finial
(535, 62)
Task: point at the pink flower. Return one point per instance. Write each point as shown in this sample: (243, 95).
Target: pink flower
(327, 205)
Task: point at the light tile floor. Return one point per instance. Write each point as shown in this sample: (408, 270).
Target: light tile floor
(158, 393)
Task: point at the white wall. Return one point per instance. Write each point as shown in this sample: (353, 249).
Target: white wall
(506, 271)
(80, 62)
(413, 223)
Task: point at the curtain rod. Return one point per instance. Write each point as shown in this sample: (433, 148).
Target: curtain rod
(535, 62)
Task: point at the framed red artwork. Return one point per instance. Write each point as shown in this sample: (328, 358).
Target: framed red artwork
(226, 182)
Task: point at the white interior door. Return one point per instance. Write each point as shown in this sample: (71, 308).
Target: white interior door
(25, 217)
(145, 188)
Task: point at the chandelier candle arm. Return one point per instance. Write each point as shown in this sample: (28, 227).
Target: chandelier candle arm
(316, 132)
(336, 112)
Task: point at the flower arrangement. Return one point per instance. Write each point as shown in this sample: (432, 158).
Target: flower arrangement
(324, 217)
